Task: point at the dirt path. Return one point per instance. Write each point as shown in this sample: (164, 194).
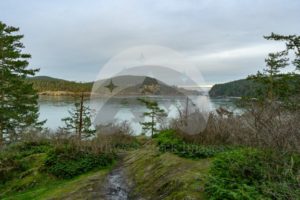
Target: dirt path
(116, 187)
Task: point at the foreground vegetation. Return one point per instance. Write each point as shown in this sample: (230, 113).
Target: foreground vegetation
(34, 169)
(48, 168)
(240, 172)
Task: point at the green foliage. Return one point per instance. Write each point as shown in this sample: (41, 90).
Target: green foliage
(169, 141)
(254, 174)
(18, 99)
(292, 43)
(155, 113)
(68, 162)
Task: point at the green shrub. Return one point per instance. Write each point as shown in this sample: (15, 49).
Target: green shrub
(9, 168)
(169, 141)
(67, 161)
(254, 174)
(12, 158)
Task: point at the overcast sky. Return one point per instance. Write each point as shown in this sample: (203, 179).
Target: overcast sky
(73, 39)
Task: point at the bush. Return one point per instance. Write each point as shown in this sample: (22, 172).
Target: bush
(68, 162)
(170, 141)
(11, 158)
(9, 168)
(254, 174)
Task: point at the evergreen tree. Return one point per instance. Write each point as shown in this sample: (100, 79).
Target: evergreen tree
(18, 100)
(274, 83)
(278, 86)
(79, 121)
(154, 113)
(292, 44)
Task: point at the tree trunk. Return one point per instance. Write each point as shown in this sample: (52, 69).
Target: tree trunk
(186, 112)
(1, 134)
(80, 117)
(152, 125)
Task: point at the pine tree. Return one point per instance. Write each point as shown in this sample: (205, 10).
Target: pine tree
(18, 100)
(292, 44)
(79, 121)
(274, 85)
(154, 113)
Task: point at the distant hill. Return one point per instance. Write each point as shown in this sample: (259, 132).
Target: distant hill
(46, 78)
(46, 84)
(124, 85)
(236, 88)
(139, 85)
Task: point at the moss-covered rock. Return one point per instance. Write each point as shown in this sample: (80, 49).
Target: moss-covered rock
(156, 175)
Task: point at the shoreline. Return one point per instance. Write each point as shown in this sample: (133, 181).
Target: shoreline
(88, 94)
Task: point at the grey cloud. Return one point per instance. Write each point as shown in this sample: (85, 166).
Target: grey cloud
(74, 39)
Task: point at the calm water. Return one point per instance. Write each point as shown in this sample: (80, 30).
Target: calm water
(118, 109)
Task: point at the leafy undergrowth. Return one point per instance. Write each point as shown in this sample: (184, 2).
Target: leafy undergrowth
(37, 170)
(254, 174)
(157, 175)
(170, 141)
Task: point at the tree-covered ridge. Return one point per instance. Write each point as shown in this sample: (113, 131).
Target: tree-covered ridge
(126, 85)
(45, 83)
(248, 87)
(236, 88)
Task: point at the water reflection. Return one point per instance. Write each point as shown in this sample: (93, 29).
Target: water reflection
(55, 108)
